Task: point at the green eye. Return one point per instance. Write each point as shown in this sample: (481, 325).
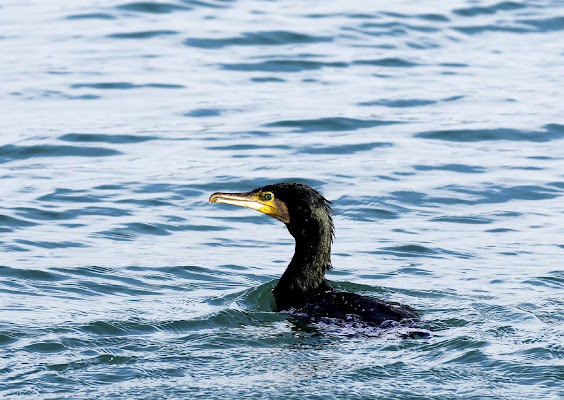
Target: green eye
(268, 196)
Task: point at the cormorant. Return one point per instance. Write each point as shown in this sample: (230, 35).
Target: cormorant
(303, 287)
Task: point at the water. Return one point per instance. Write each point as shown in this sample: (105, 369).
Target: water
(435, 128)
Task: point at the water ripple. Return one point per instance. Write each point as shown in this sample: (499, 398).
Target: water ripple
(344, 149)
(142, 34)
(132, 230)
(8, 223)
(238, 147)
(462, 168)
(387, 62)
(400, 103)
(330, 124)
(105, 138)
(40, 214)
(31, 274)
(152, 7)
(63, 195)
(477, 11)
(203, 112)
(124, 85)
(464, 219)
(549, 133)
(283, 65)
(50, 245)
(474, 30)
(416, 250)
(12, 152)
(261, 38)
(395, 27)
(493, 194)
(545, 25)
(101, 16)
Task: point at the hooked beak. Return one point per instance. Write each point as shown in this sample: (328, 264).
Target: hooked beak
(256, 201)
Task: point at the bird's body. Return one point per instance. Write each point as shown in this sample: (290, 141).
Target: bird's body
(303, 287)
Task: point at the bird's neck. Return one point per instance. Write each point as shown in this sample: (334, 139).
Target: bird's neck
(305, 275)
(310, 257)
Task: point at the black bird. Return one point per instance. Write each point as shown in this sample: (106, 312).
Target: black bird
(303, 287)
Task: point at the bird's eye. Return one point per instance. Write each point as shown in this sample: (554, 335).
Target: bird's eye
(268, 196)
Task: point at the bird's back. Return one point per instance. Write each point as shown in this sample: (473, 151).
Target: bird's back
(343, 305)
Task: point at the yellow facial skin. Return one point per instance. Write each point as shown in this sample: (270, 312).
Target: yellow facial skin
(265, 202)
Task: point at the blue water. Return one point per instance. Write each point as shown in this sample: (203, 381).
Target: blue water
(436, 129)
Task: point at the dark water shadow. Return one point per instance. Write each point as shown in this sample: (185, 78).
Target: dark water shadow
(282, 66)
(11, 152)
(259, 38)
(549, 133)
(328, 124)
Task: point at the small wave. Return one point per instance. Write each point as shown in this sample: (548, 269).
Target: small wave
(68, 195)
(45, 347)
(553, 24)
(553, 280)
(40, 214)
(124, 85)
(558, 185)
(11, 152)
(501, 194)
(549, 133)
(267, 79)
(433, 17)
(500, 230)
(344, 149)
(105, 138)
(6, 339)
(491, 195)
(145, 202)
(462, 168)
(132, 230)
(117, 328)
(411, 249)
(464, 219)
(31, 274)
(328, 124)
(387, 62)
(142, 34)
(393, 29)
(208, 4)
(152, 7)
(161, 188)
(401, 26)
(417, 250)
(63, 95)
(263, 38)
(238, 147)
(474, 30)
(203, 112)
(283, 66)
(90, 16)
(50, 245)
(399, 103)
(104, 360)
(368, 214)
(477, 11)
(363, 209)
(8, 223)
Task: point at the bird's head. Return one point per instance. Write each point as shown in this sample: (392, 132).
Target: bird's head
(303, 209)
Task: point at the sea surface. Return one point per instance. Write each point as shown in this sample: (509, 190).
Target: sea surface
(436, 128)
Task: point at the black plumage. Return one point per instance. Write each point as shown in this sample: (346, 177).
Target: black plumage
(303, 287)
